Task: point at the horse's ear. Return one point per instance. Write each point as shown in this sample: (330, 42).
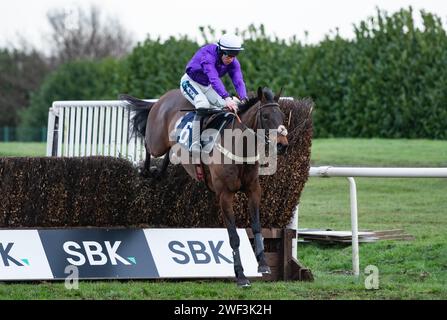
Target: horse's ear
(278, 95)
(260, 93)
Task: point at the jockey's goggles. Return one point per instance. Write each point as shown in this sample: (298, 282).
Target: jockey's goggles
(230, 53)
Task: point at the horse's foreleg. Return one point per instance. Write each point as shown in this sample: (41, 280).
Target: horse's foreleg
(254, 200)
(226, 204)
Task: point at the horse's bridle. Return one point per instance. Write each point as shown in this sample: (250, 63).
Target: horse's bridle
(259, 119)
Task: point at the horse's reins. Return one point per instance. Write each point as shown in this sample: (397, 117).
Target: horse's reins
(258, 117)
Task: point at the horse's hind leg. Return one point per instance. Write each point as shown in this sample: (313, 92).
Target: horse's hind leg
(164, 165)
(254, 199)
(226, 204)
(155, 172)
(147, 163)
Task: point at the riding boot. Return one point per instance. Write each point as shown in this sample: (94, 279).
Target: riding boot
(196, 144)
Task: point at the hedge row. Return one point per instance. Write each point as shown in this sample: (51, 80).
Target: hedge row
(389, 81)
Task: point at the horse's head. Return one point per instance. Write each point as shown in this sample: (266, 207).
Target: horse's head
(270, 117)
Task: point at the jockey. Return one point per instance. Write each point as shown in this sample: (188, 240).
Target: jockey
(202, 86)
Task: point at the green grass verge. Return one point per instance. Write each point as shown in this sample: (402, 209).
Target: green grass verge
(379, 152)
(407, 269)
(22, 149)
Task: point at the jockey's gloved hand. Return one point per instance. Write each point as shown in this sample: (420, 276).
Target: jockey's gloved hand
(243, 101)
(231, 104)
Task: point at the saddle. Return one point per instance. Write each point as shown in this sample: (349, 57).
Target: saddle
(217, 121)
(210, 119)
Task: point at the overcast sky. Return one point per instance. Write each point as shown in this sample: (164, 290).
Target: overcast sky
(164, 18)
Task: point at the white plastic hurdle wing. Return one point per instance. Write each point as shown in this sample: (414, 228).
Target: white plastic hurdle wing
(93, 128)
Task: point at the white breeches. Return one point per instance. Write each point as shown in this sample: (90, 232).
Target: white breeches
(200, 96)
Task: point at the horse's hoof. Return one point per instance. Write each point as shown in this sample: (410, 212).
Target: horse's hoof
(243, 283)
(264, 269)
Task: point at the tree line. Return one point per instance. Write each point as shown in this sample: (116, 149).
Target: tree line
(388, 81)
(76, 34)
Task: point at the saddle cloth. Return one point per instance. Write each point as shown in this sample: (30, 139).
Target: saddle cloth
(216, 121)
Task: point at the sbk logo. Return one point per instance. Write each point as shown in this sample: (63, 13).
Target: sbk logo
(198, 251)
(8, 259)
(94, 253)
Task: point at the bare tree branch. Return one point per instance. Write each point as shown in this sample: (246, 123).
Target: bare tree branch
(79, 34)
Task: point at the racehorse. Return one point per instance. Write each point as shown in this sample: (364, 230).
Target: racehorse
(156, 121)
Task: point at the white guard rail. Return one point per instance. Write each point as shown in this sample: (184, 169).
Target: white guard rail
(350, 172)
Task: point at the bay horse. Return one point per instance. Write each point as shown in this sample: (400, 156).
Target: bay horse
(156, 121)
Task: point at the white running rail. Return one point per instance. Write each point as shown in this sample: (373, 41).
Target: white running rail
(351, 172)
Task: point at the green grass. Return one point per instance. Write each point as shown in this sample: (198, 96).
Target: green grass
(407, 269)
(22, 149)
(379, 152)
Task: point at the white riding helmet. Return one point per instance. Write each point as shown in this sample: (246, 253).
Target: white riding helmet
(230, 44)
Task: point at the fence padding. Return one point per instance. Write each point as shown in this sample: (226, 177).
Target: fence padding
(106, 191)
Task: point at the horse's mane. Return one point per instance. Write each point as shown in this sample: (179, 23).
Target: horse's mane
(247, 104)
(253, 99)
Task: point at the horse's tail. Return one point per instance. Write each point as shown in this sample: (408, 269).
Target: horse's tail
(140, 110)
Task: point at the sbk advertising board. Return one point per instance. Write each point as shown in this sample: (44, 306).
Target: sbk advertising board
(193, 254)
(22, 256)
(97, 253)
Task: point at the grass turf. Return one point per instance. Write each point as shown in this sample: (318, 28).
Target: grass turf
(407, 269)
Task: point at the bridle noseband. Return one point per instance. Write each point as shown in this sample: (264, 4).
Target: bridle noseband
(259, 119)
